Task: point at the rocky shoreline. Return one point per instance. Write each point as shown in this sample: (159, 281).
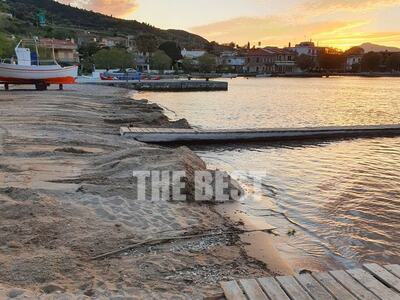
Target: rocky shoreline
(66, 196)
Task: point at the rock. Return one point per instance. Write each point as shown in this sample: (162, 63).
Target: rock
(89, 293)
(72, 150)
(13, 244)
(52, 288)
(15, 293)
(181, 123)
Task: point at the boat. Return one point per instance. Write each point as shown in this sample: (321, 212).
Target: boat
(28, 69)
(129, 74)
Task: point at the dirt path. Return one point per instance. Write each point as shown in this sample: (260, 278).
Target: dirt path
(66, 194)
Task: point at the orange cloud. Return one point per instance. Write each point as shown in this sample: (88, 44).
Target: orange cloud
(310, 19)
(276, 31)
(118, 8)
(335, 5)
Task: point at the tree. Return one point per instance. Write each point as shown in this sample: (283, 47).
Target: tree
(146, 43)
(172, 49)
(4, 7)
(113, 58)
(394, 62)
(160, 61)
(305, 62)
(371, 62)
(188, 65)
(207, 63)
(6, 46)
(89, 49)
(213, 47)
(86, 52)
(331, 62)
(354, 51)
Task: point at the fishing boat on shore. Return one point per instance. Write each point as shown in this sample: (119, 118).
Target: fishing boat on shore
(28, 69)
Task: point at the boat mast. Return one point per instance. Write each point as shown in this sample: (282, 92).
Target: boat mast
(54, 52)
(37, 51)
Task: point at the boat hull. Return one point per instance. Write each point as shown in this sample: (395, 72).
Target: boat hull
(15, 74)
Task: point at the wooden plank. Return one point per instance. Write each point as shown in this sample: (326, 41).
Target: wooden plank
(271, 134)
(336, 289)
(316, 290)
(353, 285)
(232, 291)
(374, 285)
(253, 289)
(272, 289)
(293, 288)
(384, 275)
(395, 269)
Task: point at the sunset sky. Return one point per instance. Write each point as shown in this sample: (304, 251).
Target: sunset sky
(337, 23)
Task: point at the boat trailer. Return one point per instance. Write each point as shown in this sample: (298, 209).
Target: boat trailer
(39, 84)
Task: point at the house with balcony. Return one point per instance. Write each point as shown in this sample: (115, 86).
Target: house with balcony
(65, 51)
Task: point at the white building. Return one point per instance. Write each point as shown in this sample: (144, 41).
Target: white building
(233, 60)
(353, 60)
(192, 54)
(306, 48)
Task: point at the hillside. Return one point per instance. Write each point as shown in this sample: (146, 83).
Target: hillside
(71, 19)
(368, 47)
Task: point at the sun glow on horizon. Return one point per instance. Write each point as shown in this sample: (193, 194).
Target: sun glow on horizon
(335, 23)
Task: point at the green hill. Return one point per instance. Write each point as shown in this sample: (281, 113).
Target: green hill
(67, 20)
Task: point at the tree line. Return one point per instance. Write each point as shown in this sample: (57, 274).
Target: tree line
(370, 62)
(164, 56)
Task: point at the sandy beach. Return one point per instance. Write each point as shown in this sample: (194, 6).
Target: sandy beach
(66, 196)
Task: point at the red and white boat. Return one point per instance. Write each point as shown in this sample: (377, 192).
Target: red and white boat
(28, 71)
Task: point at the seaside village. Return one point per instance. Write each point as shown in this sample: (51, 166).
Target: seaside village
(127, 172)
(145, 54)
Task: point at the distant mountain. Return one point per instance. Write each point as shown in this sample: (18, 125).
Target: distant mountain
(368, 47)
(71, 18)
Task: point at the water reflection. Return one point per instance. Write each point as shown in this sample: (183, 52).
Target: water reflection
(344, 195)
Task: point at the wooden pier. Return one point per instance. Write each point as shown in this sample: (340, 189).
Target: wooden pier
(372, 282)
(171, 135)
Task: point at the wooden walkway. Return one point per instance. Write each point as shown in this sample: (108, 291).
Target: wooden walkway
(372, 282)
(171, 135)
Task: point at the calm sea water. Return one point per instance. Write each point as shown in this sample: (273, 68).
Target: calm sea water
(341, 197)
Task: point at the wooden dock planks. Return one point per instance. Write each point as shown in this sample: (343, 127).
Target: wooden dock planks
(370, 283)
(171, 135)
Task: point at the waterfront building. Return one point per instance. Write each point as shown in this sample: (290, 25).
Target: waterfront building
(232, 60)
(270, 60)
(353, 62)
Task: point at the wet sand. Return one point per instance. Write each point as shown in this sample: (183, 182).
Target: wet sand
(67, 195)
